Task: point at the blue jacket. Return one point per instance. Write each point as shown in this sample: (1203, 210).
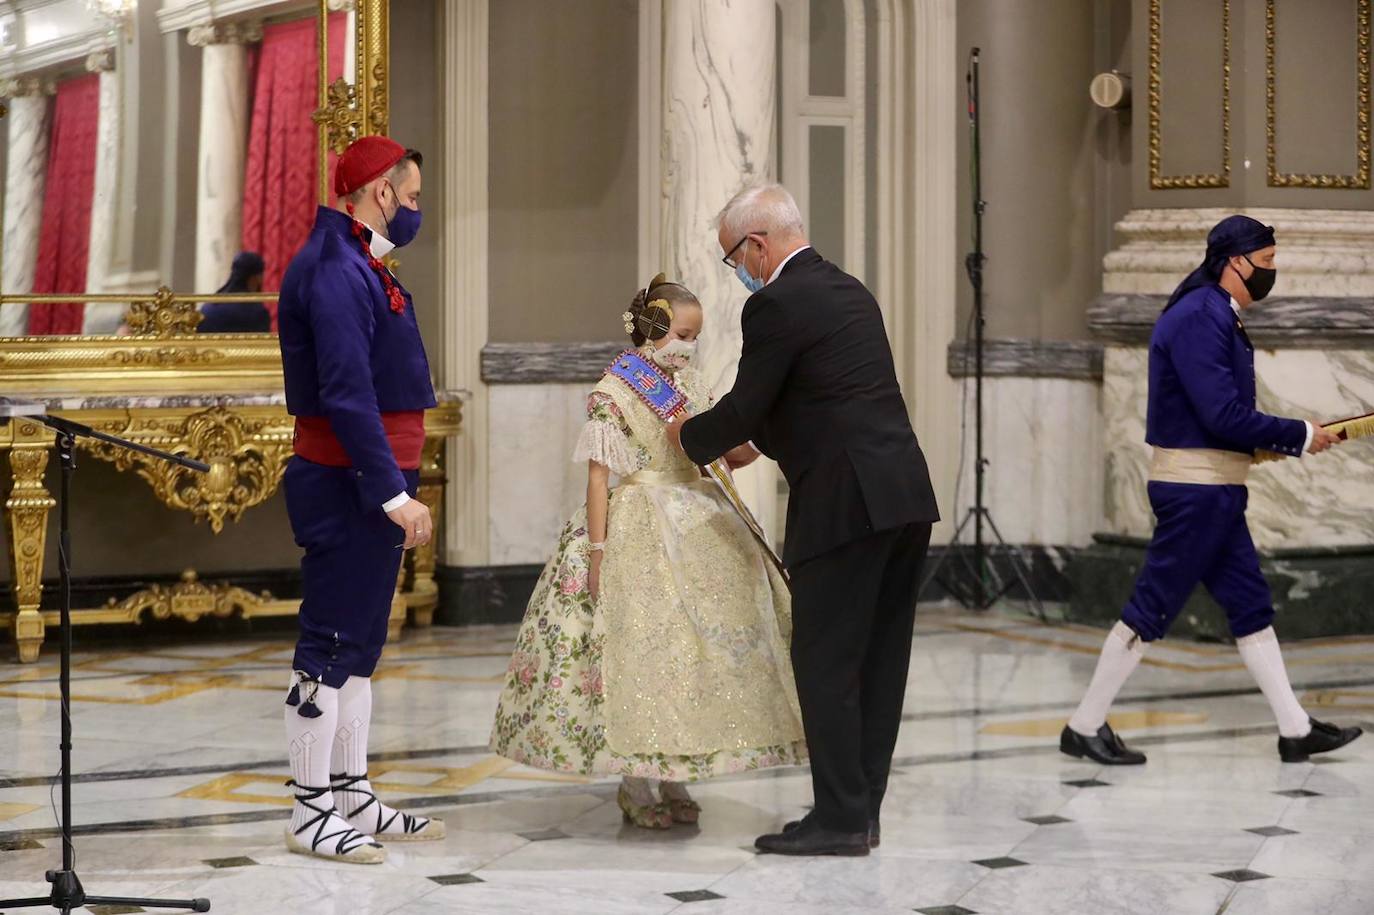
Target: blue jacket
(346, 355)
(1202, 382)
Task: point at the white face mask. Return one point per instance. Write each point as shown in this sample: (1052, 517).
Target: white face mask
(675, 354)
(381, 245)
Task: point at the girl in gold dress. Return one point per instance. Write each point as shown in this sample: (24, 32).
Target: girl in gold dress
(655, 645)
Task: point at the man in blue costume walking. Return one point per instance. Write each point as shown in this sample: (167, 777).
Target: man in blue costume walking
(358, 383)
(1205, 429)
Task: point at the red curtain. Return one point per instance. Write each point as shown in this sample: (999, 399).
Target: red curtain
(64, 241)
(281, 184)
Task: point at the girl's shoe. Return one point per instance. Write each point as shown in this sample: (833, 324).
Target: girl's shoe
(645, 816)
(683, 809)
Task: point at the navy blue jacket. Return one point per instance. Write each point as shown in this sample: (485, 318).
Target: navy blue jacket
(346, 355)
(1202, 382)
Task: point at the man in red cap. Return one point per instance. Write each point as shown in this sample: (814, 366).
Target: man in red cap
(358, 383)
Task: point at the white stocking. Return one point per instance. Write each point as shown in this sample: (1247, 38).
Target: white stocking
(1121, 654)
(1264, 660)
(312, 709)
(356, 799)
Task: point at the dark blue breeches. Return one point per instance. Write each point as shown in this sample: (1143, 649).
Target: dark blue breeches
(348, 574)
(1200, 537)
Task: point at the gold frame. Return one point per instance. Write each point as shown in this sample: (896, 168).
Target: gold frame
(1220, 179)
(164, 351)
(349, 110)
(1360, 180)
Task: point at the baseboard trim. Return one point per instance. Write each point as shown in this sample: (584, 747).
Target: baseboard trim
(478, 595)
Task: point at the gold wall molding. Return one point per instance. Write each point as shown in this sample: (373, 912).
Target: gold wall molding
(1222, 178)
(1360, 179)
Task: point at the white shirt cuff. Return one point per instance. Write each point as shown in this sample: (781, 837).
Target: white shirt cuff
(390, 505)
(1310, 432)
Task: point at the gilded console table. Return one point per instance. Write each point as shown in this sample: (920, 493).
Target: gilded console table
(246, 440)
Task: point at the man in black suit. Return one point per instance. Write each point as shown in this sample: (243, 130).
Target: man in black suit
(817, 391)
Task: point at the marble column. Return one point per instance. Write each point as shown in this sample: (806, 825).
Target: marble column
(223, 146)
(350, 63)
(719, 68)
(104, 318)
(467, 514)
(28, 121)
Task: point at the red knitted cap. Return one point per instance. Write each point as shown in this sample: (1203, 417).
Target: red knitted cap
(367, 159)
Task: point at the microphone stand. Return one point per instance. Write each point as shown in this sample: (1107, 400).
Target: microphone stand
(980, 586)
(67, 893)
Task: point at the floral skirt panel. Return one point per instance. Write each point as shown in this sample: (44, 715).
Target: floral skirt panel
(679, 672)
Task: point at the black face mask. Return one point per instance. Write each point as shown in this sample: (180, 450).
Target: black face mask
(1260, 281)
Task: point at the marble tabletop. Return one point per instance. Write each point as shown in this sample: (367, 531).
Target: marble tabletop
(70, 403)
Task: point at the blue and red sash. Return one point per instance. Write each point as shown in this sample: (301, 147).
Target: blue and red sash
(649, 383)
(656, 390)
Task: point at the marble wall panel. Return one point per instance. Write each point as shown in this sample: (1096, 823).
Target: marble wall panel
(1318, 501)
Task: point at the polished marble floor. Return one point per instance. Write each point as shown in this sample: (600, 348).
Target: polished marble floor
(179, 792)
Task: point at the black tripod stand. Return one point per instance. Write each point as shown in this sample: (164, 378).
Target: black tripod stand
(974, 581)
(67, 893)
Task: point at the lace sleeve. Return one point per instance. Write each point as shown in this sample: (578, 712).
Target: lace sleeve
(605, 438)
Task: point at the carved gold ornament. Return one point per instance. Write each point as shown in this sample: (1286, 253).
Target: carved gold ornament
(164, 316)
(189, 599)
(340, 118)
(246, 456)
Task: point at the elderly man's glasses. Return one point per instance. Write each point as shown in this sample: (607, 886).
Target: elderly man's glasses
(729, 258)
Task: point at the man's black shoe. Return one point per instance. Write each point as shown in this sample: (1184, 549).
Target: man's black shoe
(809, 838)
(1104, 747)
(875, 831)
(1323, 739)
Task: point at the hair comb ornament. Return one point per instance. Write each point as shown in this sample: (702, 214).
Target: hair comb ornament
(656, 319)
(629, 320)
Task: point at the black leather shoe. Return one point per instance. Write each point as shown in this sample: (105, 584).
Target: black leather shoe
(808, 838)
(1323, 739)
(875, 831)
(1105, 747)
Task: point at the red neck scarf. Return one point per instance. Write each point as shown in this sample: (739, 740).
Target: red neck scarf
(393, 291)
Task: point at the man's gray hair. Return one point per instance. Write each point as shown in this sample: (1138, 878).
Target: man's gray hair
(761, 208)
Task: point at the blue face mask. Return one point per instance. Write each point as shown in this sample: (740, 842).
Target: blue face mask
(752, 283)
(403, 226)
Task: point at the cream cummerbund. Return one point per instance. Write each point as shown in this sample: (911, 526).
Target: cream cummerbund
(1205, 466)
(661, 477)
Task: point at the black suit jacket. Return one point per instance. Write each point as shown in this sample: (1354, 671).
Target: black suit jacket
(817, 392)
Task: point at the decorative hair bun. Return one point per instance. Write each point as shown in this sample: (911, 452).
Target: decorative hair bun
(648, 320)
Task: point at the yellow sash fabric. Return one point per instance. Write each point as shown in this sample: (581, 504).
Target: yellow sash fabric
(661, 477)
(1203, 466)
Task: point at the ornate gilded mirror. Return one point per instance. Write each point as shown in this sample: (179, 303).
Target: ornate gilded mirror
(161, 164)
(162, 161)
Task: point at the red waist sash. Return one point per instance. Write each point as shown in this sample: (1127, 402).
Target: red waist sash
(315, 441)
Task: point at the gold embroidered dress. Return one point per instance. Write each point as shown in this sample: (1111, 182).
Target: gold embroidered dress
(680, 670)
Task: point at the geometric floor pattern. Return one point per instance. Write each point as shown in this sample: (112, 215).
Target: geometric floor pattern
(179, 765)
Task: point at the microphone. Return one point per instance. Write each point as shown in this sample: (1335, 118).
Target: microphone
(971, 89)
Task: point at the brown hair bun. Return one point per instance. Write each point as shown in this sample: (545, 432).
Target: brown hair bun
(651, 313)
